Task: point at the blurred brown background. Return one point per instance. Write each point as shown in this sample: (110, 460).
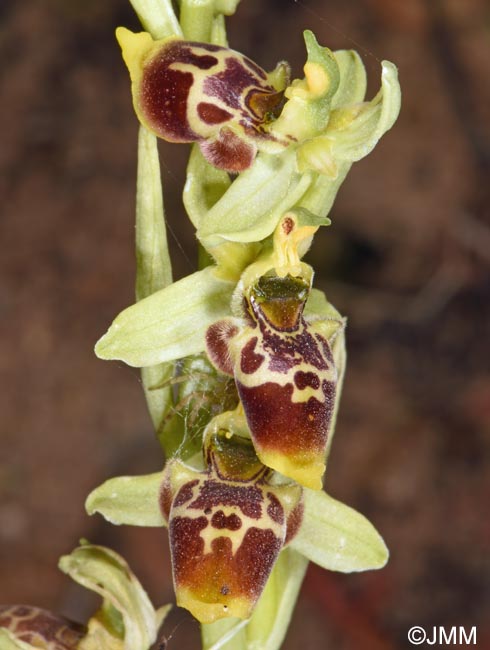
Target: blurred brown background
(406, 259)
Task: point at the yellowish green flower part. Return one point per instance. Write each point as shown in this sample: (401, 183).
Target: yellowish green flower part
(242, 361)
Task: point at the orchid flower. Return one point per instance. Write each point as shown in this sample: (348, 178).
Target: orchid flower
(126, 620)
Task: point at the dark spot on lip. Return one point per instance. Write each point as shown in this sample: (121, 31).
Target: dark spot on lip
(220, 521)
(185, 493)
(305, 379)
(250, 361)
(212, 114)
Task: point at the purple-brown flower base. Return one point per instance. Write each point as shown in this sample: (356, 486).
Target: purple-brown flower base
(40, 628)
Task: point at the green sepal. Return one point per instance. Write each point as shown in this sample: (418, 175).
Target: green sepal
(170, 324)
(127, 618)
(204, 186)
(224, 634)
(251, 208)
(337, 537)
(129, 500)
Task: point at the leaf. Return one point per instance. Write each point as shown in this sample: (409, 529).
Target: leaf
(130, 500)
(169, 324)
(337, 537)
(101, 570)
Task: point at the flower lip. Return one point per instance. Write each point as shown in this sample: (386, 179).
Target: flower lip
(186, 91)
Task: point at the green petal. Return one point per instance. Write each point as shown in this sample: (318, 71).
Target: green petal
(169, 324)
(105, 572)
(337, 537)
(130, 500)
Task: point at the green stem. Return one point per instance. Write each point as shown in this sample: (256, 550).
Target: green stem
(157, 17)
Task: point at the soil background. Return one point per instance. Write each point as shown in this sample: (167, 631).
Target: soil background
(406, 259)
